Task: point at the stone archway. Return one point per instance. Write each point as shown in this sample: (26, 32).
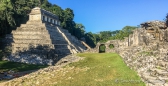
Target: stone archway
(102, 48)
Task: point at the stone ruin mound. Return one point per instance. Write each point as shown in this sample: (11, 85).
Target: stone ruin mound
(42, 40)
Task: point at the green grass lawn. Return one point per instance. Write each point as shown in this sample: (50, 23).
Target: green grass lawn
(15, 66)
(96, 69)
(101, 69)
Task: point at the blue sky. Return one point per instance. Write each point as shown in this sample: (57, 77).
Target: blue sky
(106, 15)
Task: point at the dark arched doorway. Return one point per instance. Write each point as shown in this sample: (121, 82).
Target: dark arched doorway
(102, 48)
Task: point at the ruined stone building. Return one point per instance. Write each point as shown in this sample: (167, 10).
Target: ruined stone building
(42, 40)
(150, 33)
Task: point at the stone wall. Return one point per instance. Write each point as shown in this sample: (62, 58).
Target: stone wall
(152, 32)
(116, 43)
(147, 53)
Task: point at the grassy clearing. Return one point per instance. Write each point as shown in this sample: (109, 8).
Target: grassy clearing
(105, 69)
(15, 66)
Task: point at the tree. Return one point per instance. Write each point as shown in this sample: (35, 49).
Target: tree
(124, 32)
(79, 30)
(90, 39)
(6, 16)
(58, 11)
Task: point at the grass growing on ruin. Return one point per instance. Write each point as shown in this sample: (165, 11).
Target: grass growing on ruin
(105, 69)
(15, 66)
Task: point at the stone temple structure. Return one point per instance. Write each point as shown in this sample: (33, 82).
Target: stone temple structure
(42, 40)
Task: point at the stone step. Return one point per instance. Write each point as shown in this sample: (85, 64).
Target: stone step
(39, 51)
(33, 25)
(30, 50)
(54, 32)
(31, 29)
(44, 32)
(30, 41)
(59, 42)
(55, 37)
(31, 37)
(52, 28)
(63, 51)
(34, 22)
(26, 45)
(60, 46)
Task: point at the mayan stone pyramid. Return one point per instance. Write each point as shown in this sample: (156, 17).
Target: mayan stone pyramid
(42, 40)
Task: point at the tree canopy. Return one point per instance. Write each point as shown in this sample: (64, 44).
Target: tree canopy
(92, 39)
(15, 12)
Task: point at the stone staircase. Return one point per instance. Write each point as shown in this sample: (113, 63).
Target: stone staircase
(73, 41)
(45, 41)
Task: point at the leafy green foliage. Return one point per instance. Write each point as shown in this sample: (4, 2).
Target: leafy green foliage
(102, 48)
(13, 13)
(103, 36)
(91, 39)
(125, 32)
(111, 46)
(79, 31)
